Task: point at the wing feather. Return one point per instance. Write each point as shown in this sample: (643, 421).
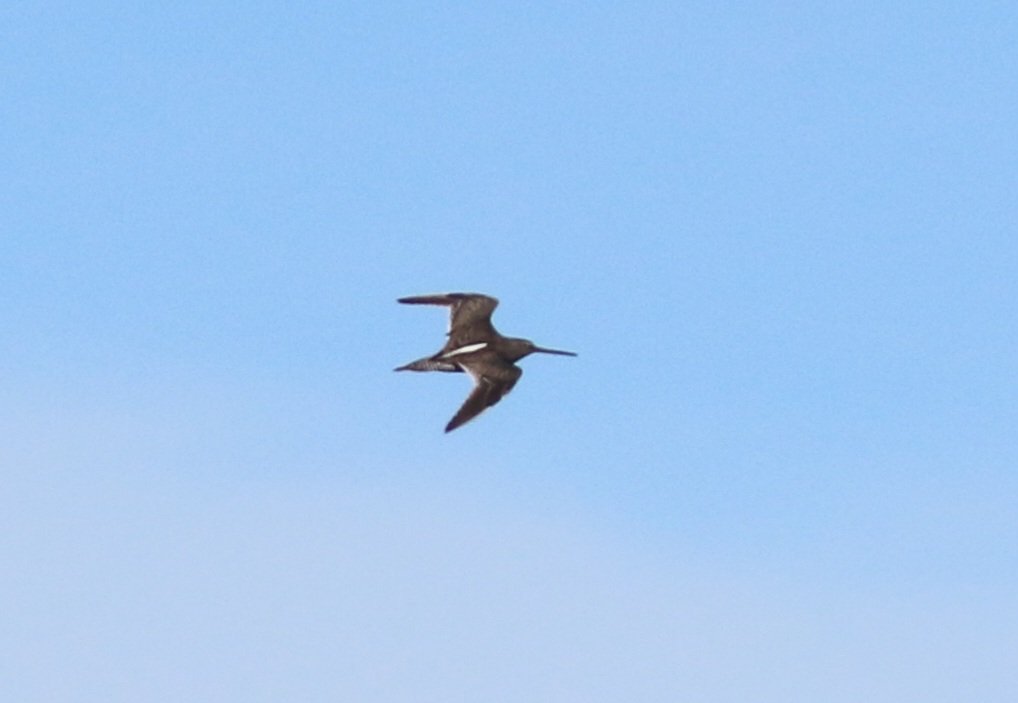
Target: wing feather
(493, 379)
(469, 314)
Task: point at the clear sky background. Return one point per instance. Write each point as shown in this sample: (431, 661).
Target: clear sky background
(781, 236)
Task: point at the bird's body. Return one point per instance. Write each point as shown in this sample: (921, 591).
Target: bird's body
(476, 348)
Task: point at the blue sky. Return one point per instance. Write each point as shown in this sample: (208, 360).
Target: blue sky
(780, 235)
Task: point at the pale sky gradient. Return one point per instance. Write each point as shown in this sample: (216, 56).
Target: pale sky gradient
(781, 236)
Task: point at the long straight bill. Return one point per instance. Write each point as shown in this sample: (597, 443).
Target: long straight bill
(554, 351)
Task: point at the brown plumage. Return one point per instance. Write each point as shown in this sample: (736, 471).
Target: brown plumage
(475, 347)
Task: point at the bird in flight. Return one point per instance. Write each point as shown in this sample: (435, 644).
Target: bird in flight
(474, 346)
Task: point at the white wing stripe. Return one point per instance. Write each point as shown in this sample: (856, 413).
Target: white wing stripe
(465, 349)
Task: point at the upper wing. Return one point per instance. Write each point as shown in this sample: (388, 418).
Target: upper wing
(469, 314)
(493, 378)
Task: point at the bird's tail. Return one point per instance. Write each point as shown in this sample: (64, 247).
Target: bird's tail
(429, 364)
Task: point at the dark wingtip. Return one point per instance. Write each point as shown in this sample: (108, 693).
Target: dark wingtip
(429, 299)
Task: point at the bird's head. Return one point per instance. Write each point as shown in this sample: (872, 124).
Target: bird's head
(516, 349)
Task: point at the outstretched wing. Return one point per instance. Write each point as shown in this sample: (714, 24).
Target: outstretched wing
(469, 315)
(493, 378)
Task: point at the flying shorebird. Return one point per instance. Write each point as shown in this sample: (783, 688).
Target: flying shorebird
(475, 347)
